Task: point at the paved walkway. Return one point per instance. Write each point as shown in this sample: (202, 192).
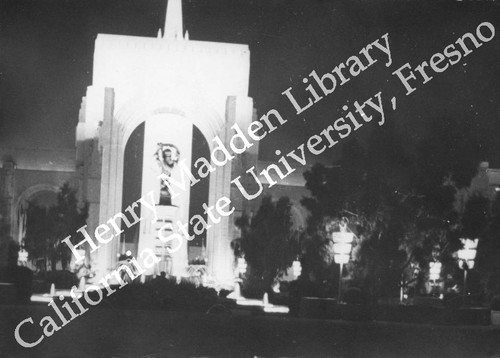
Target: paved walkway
(111, 333)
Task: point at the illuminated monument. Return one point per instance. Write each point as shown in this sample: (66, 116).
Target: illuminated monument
(149, 98)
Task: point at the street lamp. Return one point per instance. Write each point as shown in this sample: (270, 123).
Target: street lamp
(434, 275)
(23, 256)
(296, 268)
(240, 269)
(466, 258)
(242, 265)
(434, 270)
(342, 244)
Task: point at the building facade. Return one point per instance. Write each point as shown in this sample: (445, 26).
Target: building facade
(155, 107)
(152, 125)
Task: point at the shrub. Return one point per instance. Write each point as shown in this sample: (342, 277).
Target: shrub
(354, 296)
(278, 298)
(495, 303)
(61, 279)
(254, 289)
(224, 293)
(452, 300)
(165, 294)
(22, 278)
(303, 288)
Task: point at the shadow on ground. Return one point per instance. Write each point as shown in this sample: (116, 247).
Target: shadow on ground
(135, 333)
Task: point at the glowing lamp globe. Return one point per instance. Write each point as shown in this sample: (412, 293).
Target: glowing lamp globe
(23, 256)
(470, 264)
(342, 245)
(341, 259)
(242, 265)
(296, 268)
(468, 253)
(434, 270)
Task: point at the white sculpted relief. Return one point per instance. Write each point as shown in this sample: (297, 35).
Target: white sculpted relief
(167, 156)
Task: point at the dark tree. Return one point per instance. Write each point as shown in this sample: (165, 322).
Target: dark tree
(67, 217)
(397, 227)
(481, 219)
(46, 228)
(268, 241)
(38, 239)
(451, 150)
(488, 260)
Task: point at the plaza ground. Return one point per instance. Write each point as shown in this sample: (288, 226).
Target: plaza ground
(108, 332)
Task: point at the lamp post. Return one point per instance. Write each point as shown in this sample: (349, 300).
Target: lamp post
(434, 274)
(23, 256)
(466, 258)
(242, 266)
(342, 244)
(296, 268)
(240, 269)
(434, 270)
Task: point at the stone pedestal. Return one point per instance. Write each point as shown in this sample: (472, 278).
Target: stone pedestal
(149, 238)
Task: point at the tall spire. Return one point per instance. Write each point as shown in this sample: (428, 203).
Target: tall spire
(173, 20)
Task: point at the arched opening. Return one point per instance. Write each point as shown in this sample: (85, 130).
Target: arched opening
(42, 196)
(137, 182)
(132, 185)
(199, 196)
(32, 211)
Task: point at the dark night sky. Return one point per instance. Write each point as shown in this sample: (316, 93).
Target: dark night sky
(47, 48)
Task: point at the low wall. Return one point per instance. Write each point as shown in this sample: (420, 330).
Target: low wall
(328, 308)
(8, 293)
